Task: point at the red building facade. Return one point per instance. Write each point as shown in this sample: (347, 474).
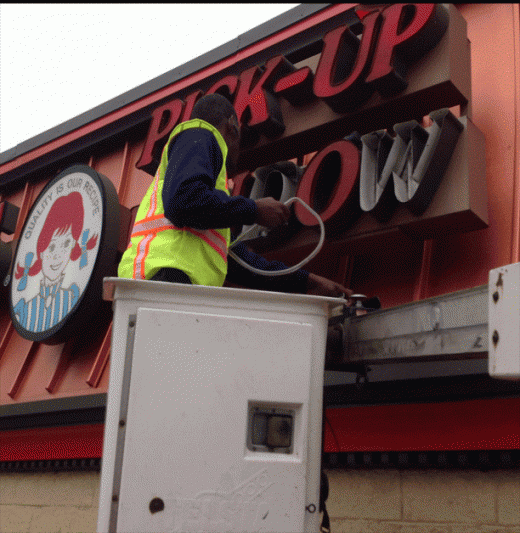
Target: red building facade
(301, 88)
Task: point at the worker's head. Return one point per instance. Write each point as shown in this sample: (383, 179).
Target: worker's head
(219, 112)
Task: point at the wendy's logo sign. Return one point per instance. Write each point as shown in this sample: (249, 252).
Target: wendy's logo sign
(68, 241)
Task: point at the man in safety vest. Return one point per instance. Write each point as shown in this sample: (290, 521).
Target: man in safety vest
(182, 228)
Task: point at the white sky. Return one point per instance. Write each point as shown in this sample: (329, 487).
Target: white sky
(60, 60)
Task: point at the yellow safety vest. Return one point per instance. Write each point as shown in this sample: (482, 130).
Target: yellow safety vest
(156, 243)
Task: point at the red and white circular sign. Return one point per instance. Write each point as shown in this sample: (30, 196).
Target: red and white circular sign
(59, 251)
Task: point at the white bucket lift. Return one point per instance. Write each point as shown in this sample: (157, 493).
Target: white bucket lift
(214, 412)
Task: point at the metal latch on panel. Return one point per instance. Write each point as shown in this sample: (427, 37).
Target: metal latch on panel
(270, 429)
(504, 322)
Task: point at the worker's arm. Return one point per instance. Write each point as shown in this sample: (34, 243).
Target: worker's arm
(189, 194)
(326, 287)
(301, 281)
(295, 282)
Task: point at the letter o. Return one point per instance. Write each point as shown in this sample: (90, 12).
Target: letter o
(330, 185)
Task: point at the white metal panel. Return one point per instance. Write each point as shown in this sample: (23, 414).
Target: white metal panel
(131, 295)
(193, 376)
(504, 322)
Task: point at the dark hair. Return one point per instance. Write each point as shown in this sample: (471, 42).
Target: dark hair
(213, 108)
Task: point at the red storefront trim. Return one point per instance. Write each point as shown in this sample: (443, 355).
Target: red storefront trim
(492, 424)
(67, 442)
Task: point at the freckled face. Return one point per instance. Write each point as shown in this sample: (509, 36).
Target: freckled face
(56, 256)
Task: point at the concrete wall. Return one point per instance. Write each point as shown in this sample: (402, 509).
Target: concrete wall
(360, 501)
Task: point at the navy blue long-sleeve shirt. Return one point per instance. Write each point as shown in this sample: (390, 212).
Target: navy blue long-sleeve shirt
(190, 199)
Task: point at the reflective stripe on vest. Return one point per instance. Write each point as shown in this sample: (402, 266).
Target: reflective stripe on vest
(158, 223)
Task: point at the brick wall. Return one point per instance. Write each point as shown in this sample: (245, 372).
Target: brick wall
(360, 501)
(424, 501)
(49, 502)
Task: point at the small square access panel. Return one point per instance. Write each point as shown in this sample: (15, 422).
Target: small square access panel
(270, 429)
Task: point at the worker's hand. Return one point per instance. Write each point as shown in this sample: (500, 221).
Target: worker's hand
(271, 212)
(325, 287)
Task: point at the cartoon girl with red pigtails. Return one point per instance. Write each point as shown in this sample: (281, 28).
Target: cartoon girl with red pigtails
(62, 240)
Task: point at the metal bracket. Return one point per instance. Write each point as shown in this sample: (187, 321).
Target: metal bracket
(473, 323)
(451, 326)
